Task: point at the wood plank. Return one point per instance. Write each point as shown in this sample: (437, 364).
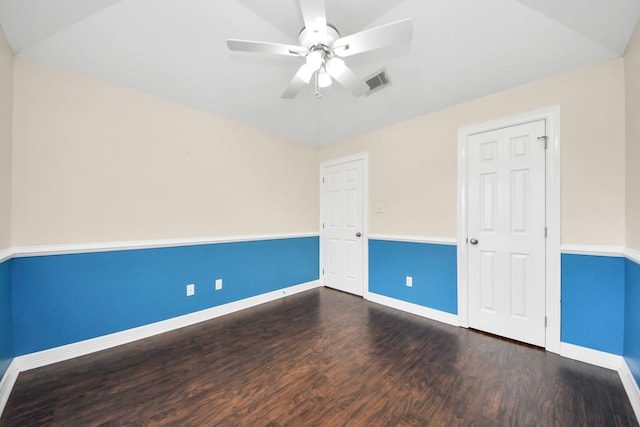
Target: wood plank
(320, 358)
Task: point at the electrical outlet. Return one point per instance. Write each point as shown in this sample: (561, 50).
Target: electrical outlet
(409, 281)
(191, 290)
(218, 284)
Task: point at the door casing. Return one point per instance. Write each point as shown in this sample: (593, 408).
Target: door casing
(553, 218)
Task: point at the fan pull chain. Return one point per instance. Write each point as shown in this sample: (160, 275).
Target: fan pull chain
(317, 77)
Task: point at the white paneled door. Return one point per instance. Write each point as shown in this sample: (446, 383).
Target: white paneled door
(342, 226)
(506, 232)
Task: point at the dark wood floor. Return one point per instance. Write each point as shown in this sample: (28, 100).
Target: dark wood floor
(322, 358)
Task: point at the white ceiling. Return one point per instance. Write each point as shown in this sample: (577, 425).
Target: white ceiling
(461, 50)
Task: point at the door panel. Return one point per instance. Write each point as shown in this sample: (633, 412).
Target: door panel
(342, 247)
(489, 201)
(488, 281)
(506, 215)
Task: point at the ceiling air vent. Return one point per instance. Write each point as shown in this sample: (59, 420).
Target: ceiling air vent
(378, 81)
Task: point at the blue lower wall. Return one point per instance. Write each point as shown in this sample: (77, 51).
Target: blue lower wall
(432, 267)
(593, 302)
(632, 318)
(6, 324)
(62, 299)
(593, 290)
(54, 300)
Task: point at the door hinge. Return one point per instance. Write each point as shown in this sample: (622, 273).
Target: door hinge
(545, 320)
(323, 225)
(323, 275)
(323, 179)
(543, 138)
(546, 232)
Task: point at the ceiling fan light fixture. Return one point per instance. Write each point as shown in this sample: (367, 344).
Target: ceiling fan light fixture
(305, 73)
(314, 60)
(324, 79)
(335, 66)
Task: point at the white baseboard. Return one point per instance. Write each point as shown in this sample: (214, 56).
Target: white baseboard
(609, 361)
(6, 385)
(419, 310)
(631, 387)
(70, 351)
(593, 357)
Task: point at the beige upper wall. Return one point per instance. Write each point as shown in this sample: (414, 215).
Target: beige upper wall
(6, 105)
(413, 170)
(95, 162)
(632, 75)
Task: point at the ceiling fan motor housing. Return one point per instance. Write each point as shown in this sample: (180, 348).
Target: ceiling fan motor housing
(309, 39)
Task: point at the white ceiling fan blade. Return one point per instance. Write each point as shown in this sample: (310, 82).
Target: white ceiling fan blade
(315, 20)
(266, 47)
(374, 38)
(300, 80)
(347, 78)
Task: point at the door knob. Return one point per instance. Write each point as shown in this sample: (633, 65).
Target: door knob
(473, 241)
(358, 234)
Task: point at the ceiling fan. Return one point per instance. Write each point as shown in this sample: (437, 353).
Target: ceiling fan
(323, 48)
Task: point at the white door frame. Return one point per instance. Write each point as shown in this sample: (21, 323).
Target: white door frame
(364, 156)
(553, 218)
